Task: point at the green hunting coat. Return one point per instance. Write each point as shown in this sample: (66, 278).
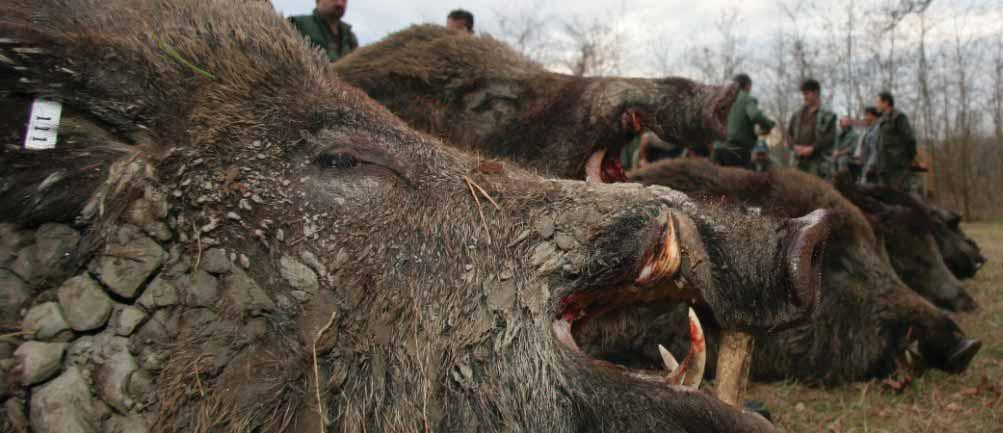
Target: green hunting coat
(825, 140)
(742, 120)
(320, 35)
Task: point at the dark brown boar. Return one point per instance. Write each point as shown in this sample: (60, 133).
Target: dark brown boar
(470, 90)
(277, 253)
(867, 317)
(906, 227)
(962, 254)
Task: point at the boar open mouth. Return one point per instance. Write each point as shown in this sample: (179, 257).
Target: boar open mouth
(657, 282)
(586, 319)
(605, 166)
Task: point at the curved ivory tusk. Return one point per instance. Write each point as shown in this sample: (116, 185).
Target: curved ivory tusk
(690, 372)
(593, 168)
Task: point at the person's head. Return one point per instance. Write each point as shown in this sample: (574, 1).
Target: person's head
(743, 81)
(871, 115)
(760, 153)
(844, 122)
(811, 90)
(886, 102)
(332, 8)
(460, 20)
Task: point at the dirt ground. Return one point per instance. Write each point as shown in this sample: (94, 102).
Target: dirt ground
(935, 402)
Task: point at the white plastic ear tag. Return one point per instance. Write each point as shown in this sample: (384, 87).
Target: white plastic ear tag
(43, 126)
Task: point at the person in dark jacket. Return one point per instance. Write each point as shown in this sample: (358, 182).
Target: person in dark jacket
(325, 29)
(812, 130)
(743, 119)
(897, 147)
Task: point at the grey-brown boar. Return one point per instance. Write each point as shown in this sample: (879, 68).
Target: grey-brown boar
(441, 67)
(468, 90)
(271, 251)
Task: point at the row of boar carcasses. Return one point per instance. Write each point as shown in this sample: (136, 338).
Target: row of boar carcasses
(229, 236)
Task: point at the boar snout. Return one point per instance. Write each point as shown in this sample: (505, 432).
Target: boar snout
(804, 258)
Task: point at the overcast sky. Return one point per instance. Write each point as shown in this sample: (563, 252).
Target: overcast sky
(670, 26)
(373, 19)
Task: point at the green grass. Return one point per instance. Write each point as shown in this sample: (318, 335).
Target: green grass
(936, 402)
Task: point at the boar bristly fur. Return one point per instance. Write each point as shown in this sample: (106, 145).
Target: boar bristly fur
(468, 89)
(363, 276)
(867, 317)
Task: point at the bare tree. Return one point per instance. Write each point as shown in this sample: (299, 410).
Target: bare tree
(527, 32)
(593, 48)
(723, 56)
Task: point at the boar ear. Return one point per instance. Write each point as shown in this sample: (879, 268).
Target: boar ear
(53, 185)
(179, 73)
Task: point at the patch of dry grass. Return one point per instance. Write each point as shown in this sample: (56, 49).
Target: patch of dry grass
(936, 402)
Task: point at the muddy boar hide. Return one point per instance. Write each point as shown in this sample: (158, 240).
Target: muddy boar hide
(867, 317)
(302, 257)
(426, 74)
(906, 228)
(475, 89)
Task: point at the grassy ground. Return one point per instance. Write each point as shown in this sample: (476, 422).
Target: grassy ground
(936, 402)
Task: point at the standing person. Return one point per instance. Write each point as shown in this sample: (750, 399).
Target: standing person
(897, 147)
(866, 155)
(846, 143)
(461, 20)
(742, 121)
(325, 29)
(812, 130)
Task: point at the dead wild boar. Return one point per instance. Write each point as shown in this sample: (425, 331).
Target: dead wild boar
(428, 90)
(475, 89)
(867, 318)
(272, 251)
(906, 228)
(960, 253)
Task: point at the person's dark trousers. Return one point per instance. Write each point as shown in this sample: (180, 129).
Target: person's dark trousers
(732, 157)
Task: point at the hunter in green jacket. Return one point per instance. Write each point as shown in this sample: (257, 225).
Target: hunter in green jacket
(325, 29)
(812, 131)
(742, 120)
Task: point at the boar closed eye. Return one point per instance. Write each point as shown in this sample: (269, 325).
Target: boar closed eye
(337, 160)
(369, 163)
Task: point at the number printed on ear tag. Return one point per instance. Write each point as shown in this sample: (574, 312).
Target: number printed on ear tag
(43, 126)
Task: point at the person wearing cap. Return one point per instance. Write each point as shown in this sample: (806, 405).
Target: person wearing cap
(761, 160)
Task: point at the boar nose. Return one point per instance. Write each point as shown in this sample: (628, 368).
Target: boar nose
(804, 257)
